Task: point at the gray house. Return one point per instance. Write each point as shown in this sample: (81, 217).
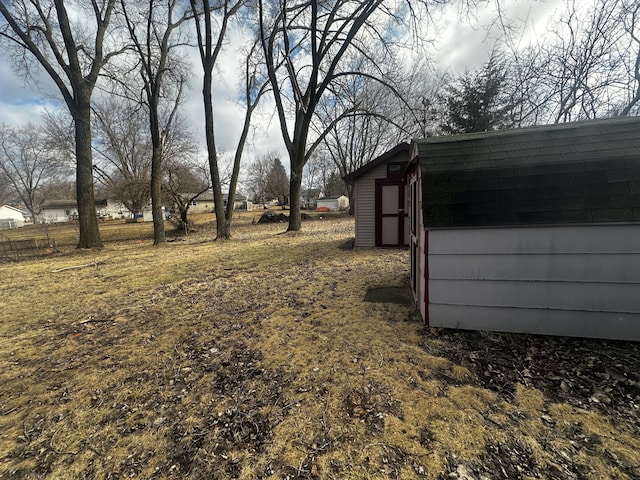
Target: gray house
(380, 203)
(533, 230)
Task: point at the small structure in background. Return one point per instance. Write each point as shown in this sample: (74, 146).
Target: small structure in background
(11, 217)
(58, 211)
(204, 203)
(61, 211)
(332, 204)
(240, 202)
(380, 203)
(532, 230)
(147, 214)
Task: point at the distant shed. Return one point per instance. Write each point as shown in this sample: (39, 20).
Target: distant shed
(380, 203)
(333, 204)
(533, 230)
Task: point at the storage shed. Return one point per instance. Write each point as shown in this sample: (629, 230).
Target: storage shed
(532, 230)
(380, 203)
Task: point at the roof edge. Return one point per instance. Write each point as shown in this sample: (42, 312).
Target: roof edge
(401, 147)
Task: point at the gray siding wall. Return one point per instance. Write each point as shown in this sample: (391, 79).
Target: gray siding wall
(365, 204)
(560, 280)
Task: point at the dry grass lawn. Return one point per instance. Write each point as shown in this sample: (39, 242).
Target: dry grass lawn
(257, 358)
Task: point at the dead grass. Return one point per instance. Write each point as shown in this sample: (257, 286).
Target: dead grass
(256, 358)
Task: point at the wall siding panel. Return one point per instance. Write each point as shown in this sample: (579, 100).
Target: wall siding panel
(365, 196)
(548, 322)
(561, 280)
(581, 267)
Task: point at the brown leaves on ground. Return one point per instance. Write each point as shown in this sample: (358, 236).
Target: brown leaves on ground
(258, 358)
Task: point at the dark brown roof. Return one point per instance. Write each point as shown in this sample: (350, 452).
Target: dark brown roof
(584, 172)
(402, 147)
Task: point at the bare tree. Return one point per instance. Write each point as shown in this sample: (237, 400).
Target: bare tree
(30, 167)
(256, 85)
(587, 66)
(123, 148)
(308, 47)
(211, 21)
(277, 182)
(372, 127)
(256, 178)
(161, 72)
(71, 50)
(581, 68)
(183, 183)
(631, 56)
(315, 172)
(5, 189)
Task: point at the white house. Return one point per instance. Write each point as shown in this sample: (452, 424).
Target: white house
(332, 204)
(532, 230)
(204, 203)
(58, 211)
(10, 217)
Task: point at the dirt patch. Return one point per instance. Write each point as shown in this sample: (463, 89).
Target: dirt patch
(397, 295)
(272, 217)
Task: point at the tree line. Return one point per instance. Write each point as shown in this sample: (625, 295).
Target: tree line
(335, 73)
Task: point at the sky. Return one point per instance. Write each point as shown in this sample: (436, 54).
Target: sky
(462, 44)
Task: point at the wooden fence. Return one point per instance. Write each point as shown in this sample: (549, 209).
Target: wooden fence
(15, 249)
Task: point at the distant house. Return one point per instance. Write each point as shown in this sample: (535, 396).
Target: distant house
(532, 230)
(58, 211)
(111, 209)
(333, 204)
(240, 202)
(380, 202)
(147, 213)
(204, 203)
(11, 217)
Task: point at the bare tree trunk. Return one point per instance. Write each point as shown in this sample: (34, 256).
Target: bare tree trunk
(295, 190)
(89, 231)
(223, 229)
(156, 195)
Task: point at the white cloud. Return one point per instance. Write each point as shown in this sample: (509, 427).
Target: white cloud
(465, 43)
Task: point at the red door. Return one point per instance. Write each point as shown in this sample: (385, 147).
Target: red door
(391, 224)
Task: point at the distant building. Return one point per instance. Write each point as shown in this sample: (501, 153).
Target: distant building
(333, 204)
(11, 217)
(204, 203)
(58, 211)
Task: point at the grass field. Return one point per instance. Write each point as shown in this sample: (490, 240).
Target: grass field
(259, 358)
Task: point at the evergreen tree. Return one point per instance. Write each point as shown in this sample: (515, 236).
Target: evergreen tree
(277, 185)
(479, 102)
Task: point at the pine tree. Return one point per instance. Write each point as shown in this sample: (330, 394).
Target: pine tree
(278, 183)
(479, 102)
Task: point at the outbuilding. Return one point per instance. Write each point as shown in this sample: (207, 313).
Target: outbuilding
(10, 217)
(332, 204)
(380, 203)
(532, 230)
